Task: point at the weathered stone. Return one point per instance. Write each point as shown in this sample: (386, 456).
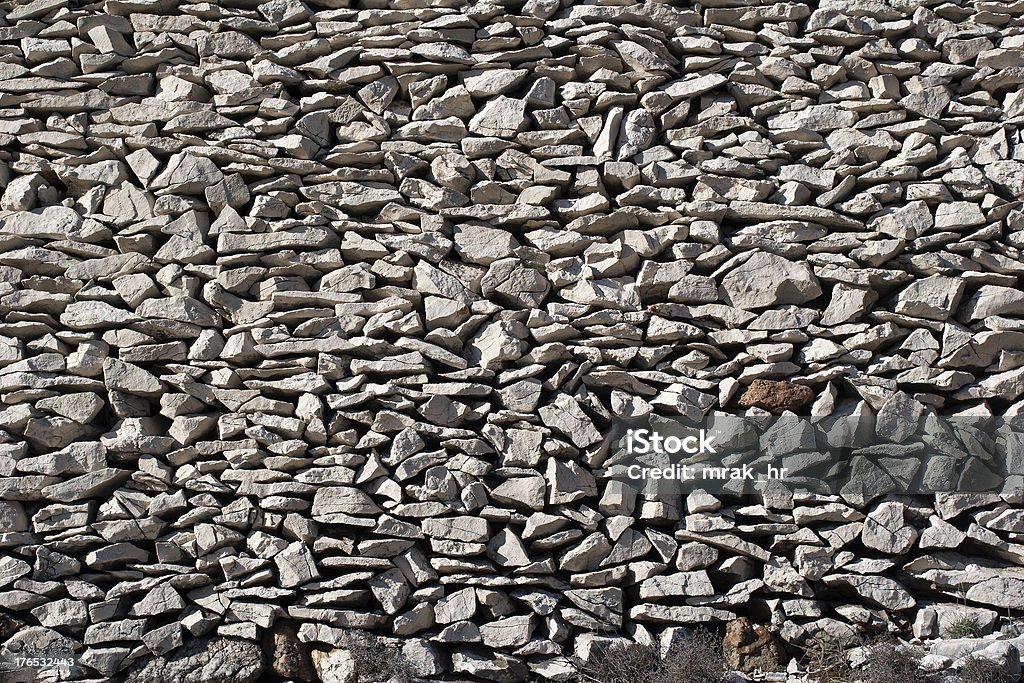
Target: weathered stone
(343, 500)
(288, 656)
(496, 343)
(316, 320)
(769, 280)
(749, 647)
(336, 666)
(935, 297)
(129, 378)
(187, 174)
(500, 117)
(204, 661)
(885, 531)
(296, 565)
(878, 590)
(776, 396)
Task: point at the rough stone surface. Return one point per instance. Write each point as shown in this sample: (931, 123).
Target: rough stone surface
(776, 396)
(206, 661)
(315, 318)
(749, 647)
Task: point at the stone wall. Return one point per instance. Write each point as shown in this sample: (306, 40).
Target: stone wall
(314, 317)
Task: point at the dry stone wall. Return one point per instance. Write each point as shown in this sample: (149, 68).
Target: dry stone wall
(315, 316)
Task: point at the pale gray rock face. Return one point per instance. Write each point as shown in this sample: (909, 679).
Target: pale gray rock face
(315, 318)
(342, 500)
(992, 300)
(886, 531)
(495, 344)
(295, 565)
(218, 659)
(878, 590)
(337, 666)
(935, 298)
(500, 117)
(130, 378)
(766, 279)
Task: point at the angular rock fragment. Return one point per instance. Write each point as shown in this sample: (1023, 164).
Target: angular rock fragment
(769, 280)
(776, 396)
(205, 661)
(130, 378)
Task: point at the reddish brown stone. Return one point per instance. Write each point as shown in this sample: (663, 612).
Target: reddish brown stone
(749, 647)
(289, 657)
(776, 396)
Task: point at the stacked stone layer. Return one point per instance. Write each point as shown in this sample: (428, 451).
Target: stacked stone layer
(314, 317)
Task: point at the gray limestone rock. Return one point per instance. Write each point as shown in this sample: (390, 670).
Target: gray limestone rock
(203, 661)
(500, 117)
(495, 343)
(130, 378)
(296, 565)
(766, 279)
(935, 297)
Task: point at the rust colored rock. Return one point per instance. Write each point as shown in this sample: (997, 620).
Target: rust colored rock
(749, 647)
(289, 657)
(776, 396)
